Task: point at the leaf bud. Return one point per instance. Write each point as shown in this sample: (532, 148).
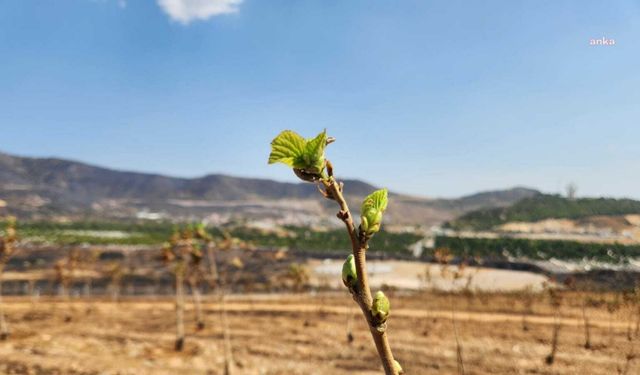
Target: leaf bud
(371, 212)
(397, 368)
(380, 307)
(349, 274)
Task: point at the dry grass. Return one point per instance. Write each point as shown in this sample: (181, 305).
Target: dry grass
(300, 334)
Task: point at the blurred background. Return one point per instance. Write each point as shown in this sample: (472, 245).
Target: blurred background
(505, 132)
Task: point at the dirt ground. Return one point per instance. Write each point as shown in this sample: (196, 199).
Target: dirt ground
(307, 334)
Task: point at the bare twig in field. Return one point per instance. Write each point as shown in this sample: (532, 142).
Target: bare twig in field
(177, 253)
(629, 357)
(557, 324)
(89, 261)
(194, 276)
(184, 252)
(7, 249)
(66, 272)
(229, 362)
(587, 326)
(612, 307)
(556, 302)
(216, 282)
(636, 305)
(296, 277)
(114, 271)
(350, 336)
(179, 343)
(197, 302)
(459, 358)
(527, 308)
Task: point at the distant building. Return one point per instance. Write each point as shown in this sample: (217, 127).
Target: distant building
(148, 215)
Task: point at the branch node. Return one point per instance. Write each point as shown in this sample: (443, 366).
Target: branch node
(343, 215)
(381, 328)
(363, 238)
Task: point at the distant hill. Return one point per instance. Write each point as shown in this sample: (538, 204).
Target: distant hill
(544, 206)
(56, 188)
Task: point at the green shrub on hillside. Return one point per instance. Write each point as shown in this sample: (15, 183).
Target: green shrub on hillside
(501, 248)
(542, 207)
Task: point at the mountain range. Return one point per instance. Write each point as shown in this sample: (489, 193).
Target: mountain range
(51, 188)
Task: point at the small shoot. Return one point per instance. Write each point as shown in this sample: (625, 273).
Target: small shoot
(306, 156)
(371, 212)
(381, 307)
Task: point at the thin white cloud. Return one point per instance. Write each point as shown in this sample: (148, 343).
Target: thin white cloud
(185, 11)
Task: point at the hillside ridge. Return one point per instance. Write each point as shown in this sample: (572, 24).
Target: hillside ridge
(53, 187)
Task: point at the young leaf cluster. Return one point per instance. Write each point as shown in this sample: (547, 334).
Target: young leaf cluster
(305, 156)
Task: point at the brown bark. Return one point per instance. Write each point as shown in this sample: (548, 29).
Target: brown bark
(179, 310)
(4, 327)
(362, 294)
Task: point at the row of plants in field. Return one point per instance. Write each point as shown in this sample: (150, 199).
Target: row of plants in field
(306, 239)
(155, 233)
(542, 207)
(191, 255)
(96, 232)
(505, 247)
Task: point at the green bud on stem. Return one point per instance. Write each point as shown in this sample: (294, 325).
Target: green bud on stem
(349, 274)
(380, 307)
(397, 367)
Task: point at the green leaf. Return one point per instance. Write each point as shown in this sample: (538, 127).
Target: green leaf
(306, 156)
(313, 157)
(377, 200)
(288, 148)
(371, 211)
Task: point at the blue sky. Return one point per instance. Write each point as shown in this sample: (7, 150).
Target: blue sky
(433, 98)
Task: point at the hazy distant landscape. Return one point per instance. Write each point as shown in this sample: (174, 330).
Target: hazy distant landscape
(68, 203)
(63, 190)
